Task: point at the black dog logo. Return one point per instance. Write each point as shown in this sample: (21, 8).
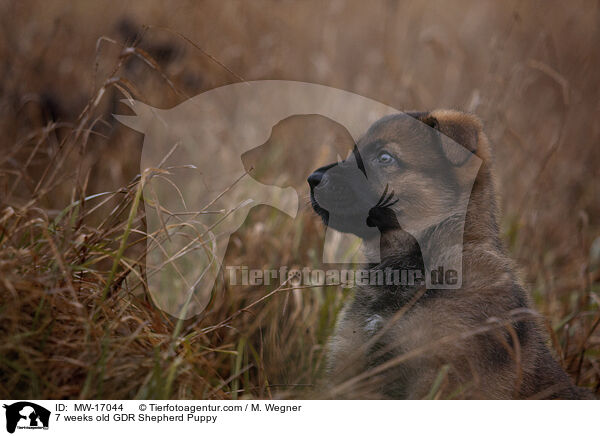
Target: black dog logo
(26, 415)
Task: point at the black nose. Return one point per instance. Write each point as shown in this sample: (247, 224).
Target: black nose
(315, 178)
(319, 176)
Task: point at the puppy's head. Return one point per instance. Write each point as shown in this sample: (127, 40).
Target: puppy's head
(409, 171)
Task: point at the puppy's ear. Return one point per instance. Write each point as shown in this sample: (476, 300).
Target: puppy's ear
(463, 129)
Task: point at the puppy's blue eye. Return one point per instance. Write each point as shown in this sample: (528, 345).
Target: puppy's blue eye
(385, 158)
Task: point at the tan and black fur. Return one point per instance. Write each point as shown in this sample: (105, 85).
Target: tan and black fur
(480, 341)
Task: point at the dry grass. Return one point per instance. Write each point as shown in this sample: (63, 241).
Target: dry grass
(75, 327)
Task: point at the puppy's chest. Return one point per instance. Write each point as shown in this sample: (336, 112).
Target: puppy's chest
(379, 312)
(372, 324)
(374, 307)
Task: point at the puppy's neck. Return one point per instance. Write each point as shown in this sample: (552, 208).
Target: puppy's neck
(481, 221)
(397, 249)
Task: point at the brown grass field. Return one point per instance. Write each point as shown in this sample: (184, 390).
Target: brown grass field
(76, 319)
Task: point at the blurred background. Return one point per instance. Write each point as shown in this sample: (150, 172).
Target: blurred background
(75, 316)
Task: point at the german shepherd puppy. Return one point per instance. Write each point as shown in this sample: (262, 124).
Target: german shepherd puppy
(409, 340)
